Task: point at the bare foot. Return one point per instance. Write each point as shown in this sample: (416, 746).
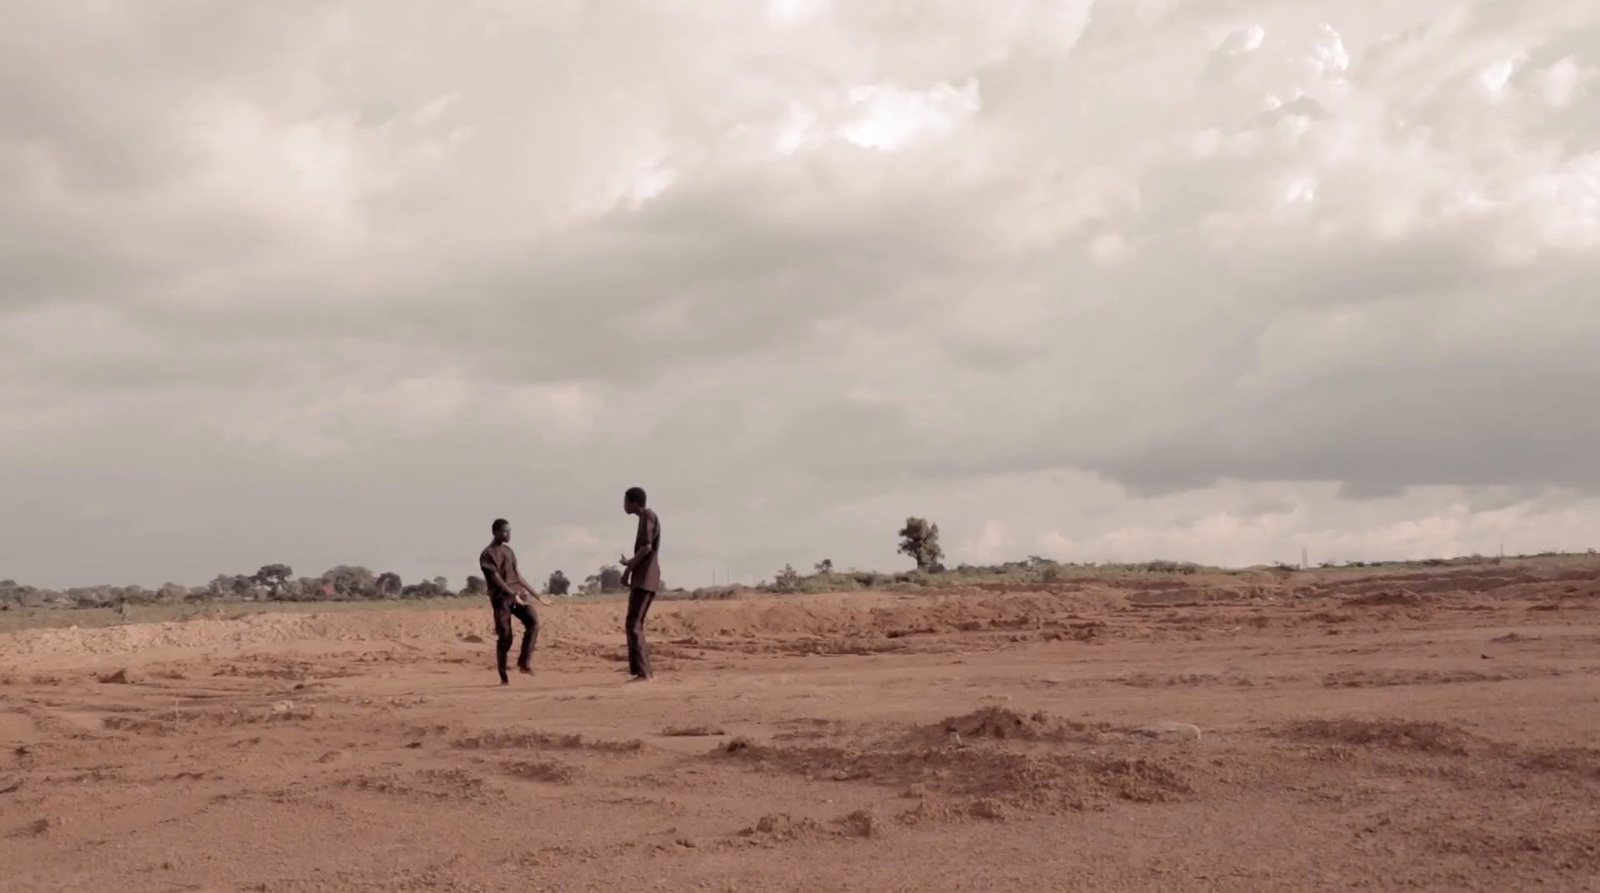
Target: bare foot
(526, 671)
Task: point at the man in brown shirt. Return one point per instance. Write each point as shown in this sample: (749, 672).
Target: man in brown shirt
(508, 595)
(642, 575)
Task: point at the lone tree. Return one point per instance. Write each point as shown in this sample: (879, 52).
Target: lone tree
(349, 581)
(558, 584)
(475, 586)
(920, 540)
(825, 566)
(389, 584)
(276, 578)
(607, 579)
(788, 579)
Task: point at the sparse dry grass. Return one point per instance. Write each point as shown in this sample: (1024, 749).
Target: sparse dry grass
(1015, 575)
(91, 618)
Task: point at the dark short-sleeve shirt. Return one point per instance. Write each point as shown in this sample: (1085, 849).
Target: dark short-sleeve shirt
(501, 560)
(647, 576)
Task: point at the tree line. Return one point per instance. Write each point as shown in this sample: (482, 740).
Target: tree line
(278, 583)
(919, 540)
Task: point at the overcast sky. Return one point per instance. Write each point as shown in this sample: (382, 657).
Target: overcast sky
(327, 281)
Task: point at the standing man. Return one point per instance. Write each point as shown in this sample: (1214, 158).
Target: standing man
(642, 575)
(508, 596)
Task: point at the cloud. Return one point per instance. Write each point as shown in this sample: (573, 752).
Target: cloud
(413, 264)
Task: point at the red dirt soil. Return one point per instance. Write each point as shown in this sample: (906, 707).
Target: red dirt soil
(1422, 731)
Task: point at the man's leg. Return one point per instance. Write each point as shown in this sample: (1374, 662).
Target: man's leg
(638, 650)
(530, 635)
(502, 637)
(631, 628)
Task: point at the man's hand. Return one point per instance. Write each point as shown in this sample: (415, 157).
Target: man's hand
(541, 599)
(625, 561)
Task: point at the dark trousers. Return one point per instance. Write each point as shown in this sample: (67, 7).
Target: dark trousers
(505, 608)
(639, 602)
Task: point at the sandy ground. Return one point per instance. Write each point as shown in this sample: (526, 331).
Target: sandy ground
(1432, 731)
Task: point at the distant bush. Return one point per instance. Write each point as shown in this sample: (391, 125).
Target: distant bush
(787, 580)
(1171, 567)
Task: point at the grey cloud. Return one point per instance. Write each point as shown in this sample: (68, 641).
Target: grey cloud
(831, 330)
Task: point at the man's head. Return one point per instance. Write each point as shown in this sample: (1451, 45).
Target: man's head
(501, 530)
(633, 500)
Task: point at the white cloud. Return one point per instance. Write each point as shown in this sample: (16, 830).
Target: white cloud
(1330, 52)
(992, 545)
(564, 413)
(888, 117)
(1497, 77)
(788, 13)
(1559, 84)
(1110, 248)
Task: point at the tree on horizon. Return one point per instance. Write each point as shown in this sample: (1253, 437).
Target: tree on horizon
(919, 539)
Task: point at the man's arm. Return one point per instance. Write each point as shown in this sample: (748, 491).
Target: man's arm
(533, 593)
(647, 532)
(493, 577)
(519, 582)
(491, 573)
(498, 583)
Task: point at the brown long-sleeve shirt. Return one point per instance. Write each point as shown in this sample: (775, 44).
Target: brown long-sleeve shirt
(645, 566)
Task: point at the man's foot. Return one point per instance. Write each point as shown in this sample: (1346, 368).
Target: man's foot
(504, 681)
(526, 671)
(638, 678)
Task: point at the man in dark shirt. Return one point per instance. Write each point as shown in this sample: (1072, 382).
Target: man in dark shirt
(508, 596)
(642, 575)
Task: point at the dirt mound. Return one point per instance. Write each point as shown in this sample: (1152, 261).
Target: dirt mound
(185, 719)
(548, 771)
(267, 667)
(1584, 761)
(35, 828)
(781, 827)
(444, 785)
(1002, 724)
(1420, 737)
(1389, 598)
(1049, 782)
(860, 823)
(692, 732)
(514, 739)
(1183, 595)
(1393, 678)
